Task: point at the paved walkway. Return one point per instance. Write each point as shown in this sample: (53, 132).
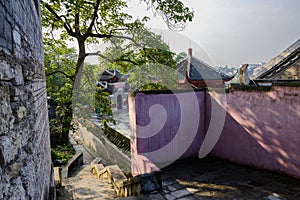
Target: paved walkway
(83, 185)
(211, 178)
(194, 179)
(122, 121)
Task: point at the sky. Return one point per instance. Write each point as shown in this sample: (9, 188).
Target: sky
(233, 32)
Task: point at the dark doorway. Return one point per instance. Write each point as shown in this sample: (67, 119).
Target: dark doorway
(119, 102)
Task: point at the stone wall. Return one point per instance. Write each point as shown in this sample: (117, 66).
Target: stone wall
(25, 162)
(94, 137)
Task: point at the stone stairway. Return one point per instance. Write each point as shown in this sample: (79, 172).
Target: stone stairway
(82, 184)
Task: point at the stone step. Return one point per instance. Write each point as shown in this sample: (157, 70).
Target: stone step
(86, 186)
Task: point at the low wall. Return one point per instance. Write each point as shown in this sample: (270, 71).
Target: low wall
(261, 129)
(94, 138)
(251, 127)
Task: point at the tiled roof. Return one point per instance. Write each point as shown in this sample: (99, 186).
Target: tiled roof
(113, 75)
(196, 69)
(279, 62)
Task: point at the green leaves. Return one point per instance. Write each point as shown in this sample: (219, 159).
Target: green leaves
(92, 18)
(60, 64)
(173, 12)
(96, 21)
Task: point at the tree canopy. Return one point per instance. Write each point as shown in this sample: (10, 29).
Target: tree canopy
(88, 21)
(96, 21)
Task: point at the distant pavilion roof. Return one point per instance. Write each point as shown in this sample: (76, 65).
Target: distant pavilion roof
(112, 76)
(197, 70)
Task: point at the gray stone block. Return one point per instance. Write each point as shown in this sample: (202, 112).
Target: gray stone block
(7, 31)
(6, 71)
(1, 24)
(150, 182)
(180, 193)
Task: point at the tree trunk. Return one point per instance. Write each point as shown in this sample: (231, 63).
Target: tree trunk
(79, 65)
(61, 137)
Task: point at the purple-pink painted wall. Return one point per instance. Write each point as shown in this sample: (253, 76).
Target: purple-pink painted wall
(166, 127)
(260, 129)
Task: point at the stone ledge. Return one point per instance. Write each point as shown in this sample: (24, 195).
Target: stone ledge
(57, 176)
(75, 161)
(96, 169)
(124, 186)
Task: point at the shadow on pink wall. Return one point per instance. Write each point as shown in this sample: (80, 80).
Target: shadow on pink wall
(261, 129)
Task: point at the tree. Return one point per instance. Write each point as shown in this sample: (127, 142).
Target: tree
(180, 56)
(87, 21)
(60, 62)
(148, 59)
(90, 21)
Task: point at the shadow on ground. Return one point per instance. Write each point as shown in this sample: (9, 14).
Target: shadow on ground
(211, 178)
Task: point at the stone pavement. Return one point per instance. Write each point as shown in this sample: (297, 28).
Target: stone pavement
(210, 178)
(194, 179)
(83, 185)
(122, 122)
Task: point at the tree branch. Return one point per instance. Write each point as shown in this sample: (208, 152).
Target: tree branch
(115, 36)
(110, 60)
(76, 26)
(60, 72)
(127, 38)
(66, 25)
(96, 35)
(89, 30)
(119, 29)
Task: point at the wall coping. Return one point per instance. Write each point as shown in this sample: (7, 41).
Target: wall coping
(75, 161)
(124, 186)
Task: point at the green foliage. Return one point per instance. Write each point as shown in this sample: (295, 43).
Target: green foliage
(102, 101)
(147, 59)
(60, 63)
(174, 13)
(153, 86)
(95, 21)
(180, 56)
(91, 17)
(63, 153)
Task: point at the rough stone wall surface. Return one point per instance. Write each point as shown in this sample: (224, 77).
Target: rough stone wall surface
(25, 162)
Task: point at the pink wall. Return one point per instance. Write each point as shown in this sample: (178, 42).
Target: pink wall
(256, 128)
(166, 127)
(262, 129)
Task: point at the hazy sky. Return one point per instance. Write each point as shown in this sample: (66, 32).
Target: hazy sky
(233, 32)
